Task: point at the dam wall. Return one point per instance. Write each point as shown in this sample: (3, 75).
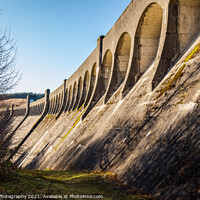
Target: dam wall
(131, 108)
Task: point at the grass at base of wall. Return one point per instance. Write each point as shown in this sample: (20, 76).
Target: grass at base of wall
(39, 183)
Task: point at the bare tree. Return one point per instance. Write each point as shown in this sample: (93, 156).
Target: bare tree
(9, 75)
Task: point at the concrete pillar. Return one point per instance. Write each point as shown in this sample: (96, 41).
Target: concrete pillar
(46, 106)
(27, 105)
(64, 99)
(95, 94)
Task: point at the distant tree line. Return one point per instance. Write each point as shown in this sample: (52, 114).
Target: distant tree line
(23, 95)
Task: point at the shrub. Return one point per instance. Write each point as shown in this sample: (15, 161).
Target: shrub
(7, 172)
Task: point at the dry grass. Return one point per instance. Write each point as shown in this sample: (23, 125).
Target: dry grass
(9, 102)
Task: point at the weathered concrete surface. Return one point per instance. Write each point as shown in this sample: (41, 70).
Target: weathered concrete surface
(123, 110)
(22, 130)
(158, 154)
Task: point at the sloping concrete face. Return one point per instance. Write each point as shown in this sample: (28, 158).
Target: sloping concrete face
(132, 106)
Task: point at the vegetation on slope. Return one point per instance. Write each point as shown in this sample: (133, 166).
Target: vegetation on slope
(35, 184)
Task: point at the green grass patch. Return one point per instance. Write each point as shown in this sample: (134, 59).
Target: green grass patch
(47, 182)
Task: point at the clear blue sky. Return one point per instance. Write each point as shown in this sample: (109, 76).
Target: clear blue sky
(54, 37)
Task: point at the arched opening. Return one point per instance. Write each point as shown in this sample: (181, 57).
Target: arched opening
(66, 99)
(121, 61)
(73, 95)
(54, 105)
(106, 71)
(40, 109)
(92, 83)
(85, 89)
(57, 104)
(34, 110)
(147, 38)
(31, 110)
(69, 98)
(146, 43)
(80, 86)
(61, 102)
(183, 27)
(51, 106)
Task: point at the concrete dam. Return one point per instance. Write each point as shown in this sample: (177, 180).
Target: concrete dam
(131, 108)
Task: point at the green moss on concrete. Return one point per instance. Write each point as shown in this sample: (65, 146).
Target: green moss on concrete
(172, 81)
(49, 116)
(77, 111)
(192, 54)
(181, 100)
(73, 126)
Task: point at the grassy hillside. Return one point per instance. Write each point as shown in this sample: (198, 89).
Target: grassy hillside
(42, 184)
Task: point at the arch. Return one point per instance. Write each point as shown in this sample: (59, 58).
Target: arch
(146, 43)
(58, 103)
(105, 71)
(66, 99)
(121, 61)
(69, 97)
(24, 111)
(51, 106)
(92, 83)
(85, 88)
(183, 26)
(39, 109)
(61, 100)
(34, 110)
(60, 97)
(42, 107)
(73, 95)
(51, 111)
(54, 105)
(30, 112)
(80, 86)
